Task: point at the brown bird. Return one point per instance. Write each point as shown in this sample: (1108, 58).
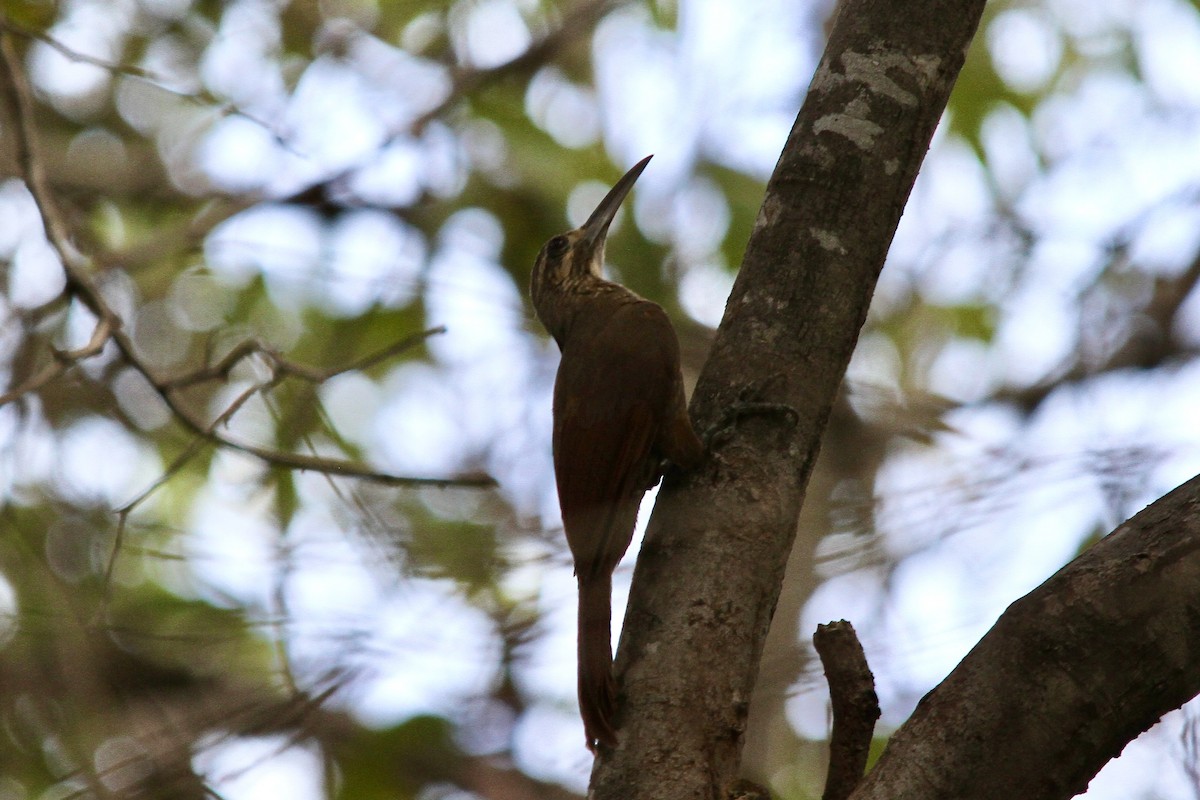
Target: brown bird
(619, 411)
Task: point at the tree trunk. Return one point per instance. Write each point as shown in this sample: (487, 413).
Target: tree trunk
(709, 572)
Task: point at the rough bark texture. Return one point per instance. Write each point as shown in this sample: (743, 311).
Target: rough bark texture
(855, 706)
(709, 572)
(1068, 675)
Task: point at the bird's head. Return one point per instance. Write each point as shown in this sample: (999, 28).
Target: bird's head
(574, 259)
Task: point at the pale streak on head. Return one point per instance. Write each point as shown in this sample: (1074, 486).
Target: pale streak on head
(572, 261)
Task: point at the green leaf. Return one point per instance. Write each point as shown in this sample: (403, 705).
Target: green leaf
(398, 762)
(462, 550)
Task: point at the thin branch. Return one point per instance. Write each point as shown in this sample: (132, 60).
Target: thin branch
(580, 20)
(855, 706)
(191, 450)
(175, 236)
(175, 466)
(408, 342)
(220, 370)
(466, 82)
(250, 347)
(48, 374)
(299, 461)
(1147, 347)
(63, 361)
(19, 98)
(132, 71)
(293, 716)
(76, 55)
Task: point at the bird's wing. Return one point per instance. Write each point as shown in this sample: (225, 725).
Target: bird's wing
(609, 398)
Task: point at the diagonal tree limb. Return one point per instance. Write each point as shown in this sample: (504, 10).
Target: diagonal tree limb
(709, 572)
(1067, 676)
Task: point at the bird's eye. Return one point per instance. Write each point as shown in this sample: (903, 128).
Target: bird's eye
(557, 246)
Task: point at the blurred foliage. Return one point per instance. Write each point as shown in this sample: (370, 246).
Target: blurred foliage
(330, 179)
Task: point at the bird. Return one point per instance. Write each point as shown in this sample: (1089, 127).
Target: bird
(619, 413)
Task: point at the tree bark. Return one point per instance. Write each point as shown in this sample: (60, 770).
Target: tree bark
(709, 573)
(1068, 675)
(854, 703)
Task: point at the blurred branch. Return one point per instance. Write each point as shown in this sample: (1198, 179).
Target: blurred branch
(855, 706)
(132, 71)
(174, 236)
(282, 366)
(174, 467)
(74, 55)
(579, 20)
(1148, 345)
(63, 360)
(227, 713)
(17, 96)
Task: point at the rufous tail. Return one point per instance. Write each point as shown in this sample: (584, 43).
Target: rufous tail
(597, 689)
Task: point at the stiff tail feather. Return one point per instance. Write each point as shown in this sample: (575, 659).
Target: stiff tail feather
(597, 689)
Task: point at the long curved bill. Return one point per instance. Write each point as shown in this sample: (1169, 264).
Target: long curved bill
(595, 229)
